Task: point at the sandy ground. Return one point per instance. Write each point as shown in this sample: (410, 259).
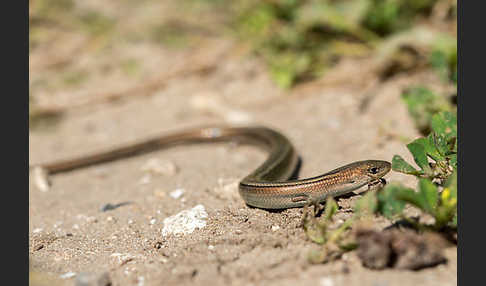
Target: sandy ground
(69, 234)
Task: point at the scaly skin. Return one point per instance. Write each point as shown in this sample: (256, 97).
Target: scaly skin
(269, 186)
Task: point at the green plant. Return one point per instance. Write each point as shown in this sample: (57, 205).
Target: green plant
(334, 241)
(422, 104)
(301, 40)
(389, 16)
(442, 206)
(48, 17)
(436, 157)
(443, 59)
(440, 146)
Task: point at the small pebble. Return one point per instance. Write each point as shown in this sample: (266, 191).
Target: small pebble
(275, 227)
(162, 167)
(185, 221)
(123, 258)
(227, 188)
(67, 275)
(107, 207)
(177, 193)
(41, 179)
(92, 279)
(141, 281)
(145, 179)
(326, 281)
(163, 260)
(91, 219)
(159, 193)
(237, 117)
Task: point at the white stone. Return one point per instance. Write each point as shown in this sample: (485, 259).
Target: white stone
(186, 221)
(177, 193)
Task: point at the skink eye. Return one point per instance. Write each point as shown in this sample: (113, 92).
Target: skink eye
(373, 170)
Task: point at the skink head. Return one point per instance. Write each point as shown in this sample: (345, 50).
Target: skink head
(368, 172)
(376, 168)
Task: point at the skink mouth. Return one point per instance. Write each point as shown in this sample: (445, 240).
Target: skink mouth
(378, 182)
(376, 177)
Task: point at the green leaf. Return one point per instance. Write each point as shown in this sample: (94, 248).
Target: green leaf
(444, 216)
(429, 147)
(340, 19)
(321, 13)
(445, 123)
(400, 165)
(438, 61)
(367, 205)
(388, 205)
(316, 230)
(409, 196)
(331, 208)
(429, 194)
(254, 23)
(426, 199)
(419, 156)
(316, 234)
(440, 143)
(285, 67)
(423, 104)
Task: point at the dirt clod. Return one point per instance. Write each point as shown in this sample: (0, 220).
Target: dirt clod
(399, 249)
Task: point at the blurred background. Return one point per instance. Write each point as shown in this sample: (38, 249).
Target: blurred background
(345, 80)
(89, 52)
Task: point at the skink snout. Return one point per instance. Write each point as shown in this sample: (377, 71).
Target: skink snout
(377, 168)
